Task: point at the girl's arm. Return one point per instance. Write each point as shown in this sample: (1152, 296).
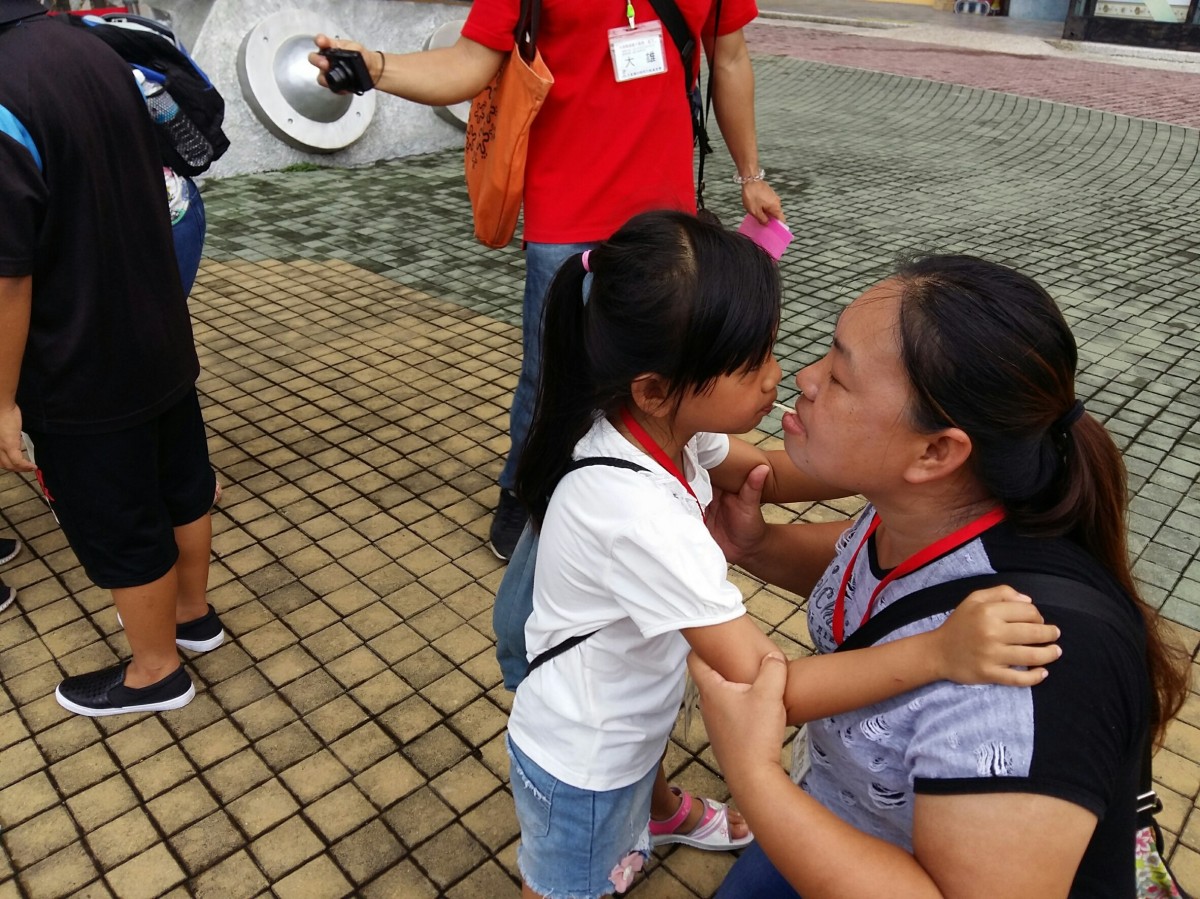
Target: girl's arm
(785, 483)
(989, 633)
(1002, 845)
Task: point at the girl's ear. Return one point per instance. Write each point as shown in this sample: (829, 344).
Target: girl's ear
(944, 454)
(650, 395)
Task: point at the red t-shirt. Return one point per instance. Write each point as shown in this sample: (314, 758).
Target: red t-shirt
(601, 151)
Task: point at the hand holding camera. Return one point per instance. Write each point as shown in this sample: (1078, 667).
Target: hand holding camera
(344, 69)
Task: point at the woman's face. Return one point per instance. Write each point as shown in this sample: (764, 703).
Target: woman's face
(850, 428)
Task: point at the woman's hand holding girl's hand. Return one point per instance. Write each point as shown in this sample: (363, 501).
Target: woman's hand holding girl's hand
(735, 519)
(745, 722)
(991, 636)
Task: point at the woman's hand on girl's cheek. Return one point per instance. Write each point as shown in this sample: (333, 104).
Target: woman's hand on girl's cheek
(735, 519)
(745, 722)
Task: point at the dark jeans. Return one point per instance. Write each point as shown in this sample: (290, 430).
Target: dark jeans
(754, 877)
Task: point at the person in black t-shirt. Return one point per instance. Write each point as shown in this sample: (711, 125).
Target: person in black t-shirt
(97, 363)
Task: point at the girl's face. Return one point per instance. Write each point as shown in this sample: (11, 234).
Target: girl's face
(733, 404)
(850, 428)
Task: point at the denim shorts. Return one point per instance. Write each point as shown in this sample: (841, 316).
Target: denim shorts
(572, 839)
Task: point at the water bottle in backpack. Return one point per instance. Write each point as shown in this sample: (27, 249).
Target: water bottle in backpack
(187, 139)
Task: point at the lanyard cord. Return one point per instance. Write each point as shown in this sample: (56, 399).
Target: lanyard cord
(656, 453)
(922, 557)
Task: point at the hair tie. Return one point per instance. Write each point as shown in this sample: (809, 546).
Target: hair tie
(1063, 423)
(584, 260)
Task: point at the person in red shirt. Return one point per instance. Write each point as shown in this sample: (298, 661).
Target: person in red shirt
(600, 150)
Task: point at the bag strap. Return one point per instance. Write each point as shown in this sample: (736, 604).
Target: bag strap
(705, 146)
(525, 34)
(1054, 591)
(568, 643)
(672, 19)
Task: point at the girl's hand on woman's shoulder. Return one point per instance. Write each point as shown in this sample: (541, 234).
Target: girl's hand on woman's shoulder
(996, 636)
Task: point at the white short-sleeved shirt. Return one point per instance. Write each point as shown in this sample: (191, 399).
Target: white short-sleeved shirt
(625, 554)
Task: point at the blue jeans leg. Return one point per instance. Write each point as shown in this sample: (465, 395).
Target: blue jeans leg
(754, 877)
(542, 261)
(189, 233)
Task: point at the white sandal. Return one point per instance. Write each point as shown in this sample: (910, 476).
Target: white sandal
(711, 832)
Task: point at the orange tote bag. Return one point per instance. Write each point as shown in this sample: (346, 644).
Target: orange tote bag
(498, 133)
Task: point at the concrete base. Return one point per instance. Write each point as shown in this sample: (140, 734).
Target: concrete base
(399, 128)
(1047, 10)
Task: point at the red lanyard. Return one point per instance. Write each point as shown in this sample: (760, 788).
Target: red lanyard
(656, 453)
(935, 550)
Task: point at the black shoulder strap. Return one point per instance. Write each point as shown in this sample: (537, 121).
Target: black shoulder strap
(1046, 590)
(566, 644)
(673, 21)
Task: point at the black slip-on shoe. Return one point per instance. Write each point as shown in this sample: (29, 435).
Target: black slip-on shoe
(199, 634)
(104, 693)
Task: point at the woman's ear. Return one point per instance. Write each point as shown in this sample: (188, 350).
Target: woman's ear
(650, 395)
(945, 453)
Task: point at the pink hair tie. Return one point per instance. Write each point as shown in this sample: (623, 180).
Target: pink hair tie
(584, 260)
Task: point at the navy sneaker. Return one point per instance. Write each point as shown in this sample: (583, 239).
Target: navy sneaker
(507, 524)
(7, 595)
(104, 693)
(9, 549)
(199, 634)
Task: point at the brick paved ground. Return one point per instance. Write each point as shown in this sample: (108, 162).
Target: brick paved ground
(358, 350)
(1144, 93)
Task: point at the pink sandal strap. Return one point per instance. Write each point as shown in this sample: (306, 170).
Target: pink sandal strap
(671, 824)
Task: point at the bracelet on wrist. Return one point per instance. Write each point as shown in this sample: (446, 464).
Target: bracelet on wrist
(749, 179)
(382, 67)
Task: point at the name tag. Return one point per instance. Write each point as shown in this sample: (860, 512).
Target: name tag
(637, 52)
(801, 760)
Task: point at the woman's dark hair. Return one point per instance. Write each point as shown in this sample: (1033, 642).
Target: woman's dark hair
(988, 351)
(668, 294)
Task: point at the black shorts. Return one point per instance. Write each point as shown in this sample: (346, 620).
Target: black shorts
(119, 495)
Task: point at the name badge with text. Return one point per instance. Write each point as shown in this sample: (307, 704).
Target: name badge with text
(637, 52)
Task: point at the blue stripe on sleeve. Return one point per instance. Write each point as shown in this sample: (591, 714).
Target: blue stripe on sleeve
(13, 127)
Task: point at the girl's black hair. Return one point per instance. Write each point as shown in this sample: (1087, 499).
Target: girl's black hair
(668, 294)
(988, 351)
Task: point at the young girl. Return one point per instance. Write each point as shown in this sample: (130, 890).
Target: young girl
(656, 345)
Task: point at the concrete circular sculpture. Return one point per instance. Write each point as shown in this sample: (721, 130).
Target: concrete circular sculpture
(280, 85)
(444, 36)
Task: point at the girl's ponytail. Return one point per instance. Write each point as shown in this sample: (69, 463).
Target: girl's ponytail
(565, 399)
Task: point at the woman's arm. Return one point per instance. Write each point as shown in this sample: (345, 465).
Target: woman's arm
(785, 483)
(733, 104)
(792, 556)
(438, 77)
(1003, 845)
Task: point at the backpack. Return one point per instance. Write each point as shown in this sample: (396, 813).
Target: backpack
(514, 597)
(153, 50)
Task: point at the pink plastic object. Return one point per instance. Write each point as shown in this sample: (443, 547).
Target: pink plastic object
(773, 237)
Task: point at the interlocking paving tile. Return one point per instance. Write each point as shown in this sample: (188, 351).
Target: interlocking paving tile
(359, 350)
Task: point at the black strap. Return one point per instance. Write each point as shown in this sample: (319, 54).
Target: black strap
(1047, 590)
(525, 34)
(672, 19)
(566, 644)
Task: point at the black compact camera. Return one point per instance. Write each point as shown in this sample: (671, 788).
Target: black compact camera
(347, 71)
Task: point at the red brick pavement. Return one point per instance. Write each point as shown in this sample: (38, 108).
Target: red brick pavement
(1154, 94)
